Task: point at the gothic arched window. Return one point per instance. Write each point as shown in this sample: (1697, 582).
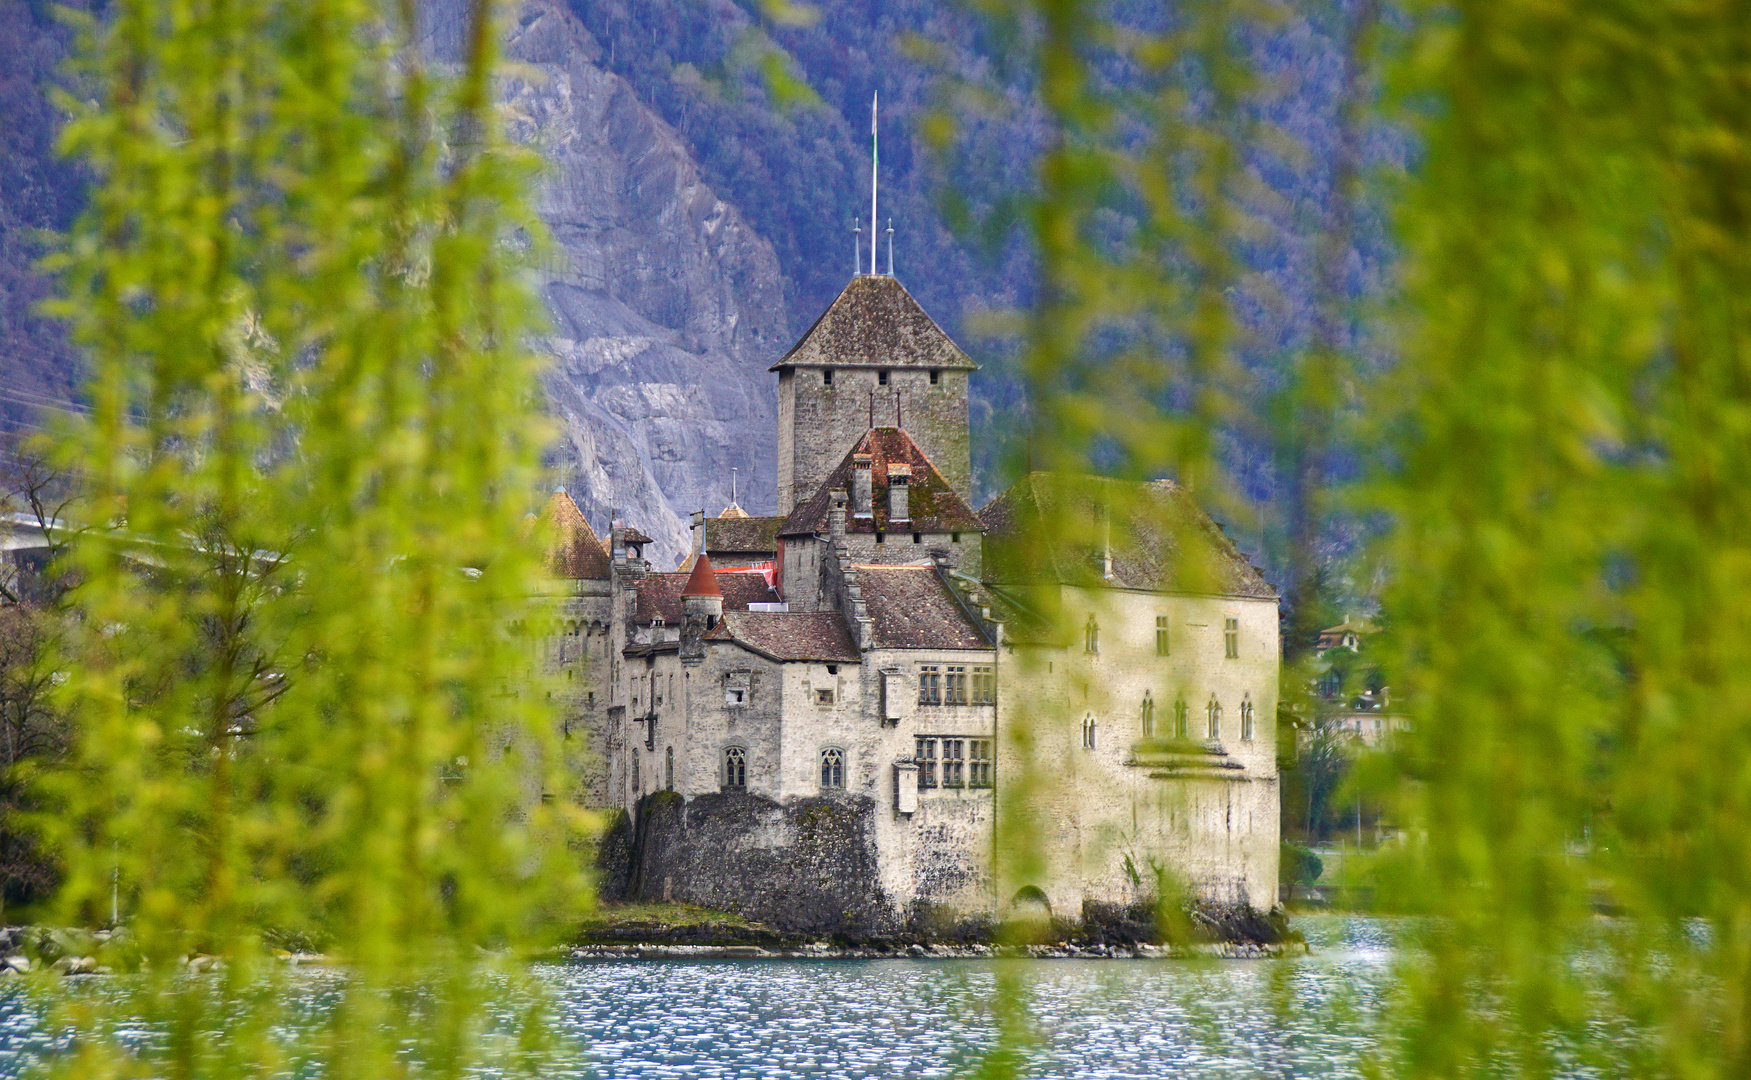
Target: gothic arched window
(1088, 732)
(1091, 636)
(1148, 715)
(735, 768)
(1214, 709)
(1246, 726)
(1179, 718)
(832, 767)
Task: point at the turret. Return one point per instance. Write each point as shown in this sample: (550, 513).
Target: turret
(702, 608)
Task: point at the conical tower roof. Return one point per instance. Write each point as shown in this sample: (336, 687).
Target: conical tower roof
(702, 581)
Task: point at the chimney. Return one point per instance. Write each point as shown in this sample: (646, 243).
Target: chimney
(861, 495)
(899, 493)
(836, 515)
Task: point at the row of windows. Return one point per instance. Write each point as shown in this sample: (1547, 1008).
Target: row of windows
(1181, 718)
(953, 762)
(881, 377)
(942, 762)
(735, 768)
(1163, 642)
(956, 684)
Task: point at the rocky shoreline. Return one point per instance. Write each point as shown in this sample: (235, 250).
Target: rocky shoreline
(826, 951)
(683, 932)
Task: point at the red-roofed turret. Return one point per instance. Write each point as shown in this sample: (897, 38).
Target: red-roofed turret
(703, 581)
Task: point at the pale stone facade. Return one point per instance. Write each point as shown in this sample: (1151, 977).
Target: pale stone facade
(828, 724)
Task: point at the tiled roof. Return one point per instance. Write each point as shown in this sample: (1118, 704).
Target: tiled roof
(794, 635)
(934, 505)
(875, 322)
(701, 581)
(742, 535)
(659, 595)
(910, 608)
(576, 552)
(1059, 528)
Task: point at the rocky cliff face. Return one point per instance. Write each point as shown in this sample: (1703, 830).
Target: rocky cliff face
(666, 306)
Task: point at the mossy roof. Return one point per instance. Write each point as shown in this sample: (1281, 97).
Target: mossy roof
(933, 504)
(1098, 532)
(575, 552)
(874, 322)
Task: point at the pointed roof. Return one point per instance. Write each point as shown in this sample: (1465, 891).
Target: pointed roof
(935, 507)
(702, 581)
(875, 322)
(1101, 532)
(577, 553)
(732, 511)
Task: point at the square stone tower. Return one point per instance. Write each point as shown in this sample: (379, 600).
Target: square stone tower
(873, 359)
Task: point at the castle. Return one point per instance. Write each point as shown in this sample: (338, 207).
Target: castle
(821, 717)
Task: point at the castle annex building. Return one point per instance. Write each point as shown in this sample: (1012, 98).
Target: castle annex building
(822, 717)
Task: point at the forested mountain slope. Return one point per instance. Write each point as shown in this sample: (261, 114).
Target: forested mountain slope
(705, 219)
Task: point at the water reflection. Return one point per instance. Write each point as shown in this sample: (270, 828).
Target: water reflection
(1304, 1017)
(777, 1020)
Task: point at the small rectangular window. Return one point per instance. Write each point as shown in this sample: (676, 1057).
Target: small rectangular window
(935, 375)
(1161, 635)
(1231, 638)
(881, 378)
(979, 763)
(832, 669)
(879, 538)
(929, 685)
(954, 686)
(823, 696)
(953, 762)
(984, 686)
(926, 759)
(918, 538)
(954, 538)
(827, 377)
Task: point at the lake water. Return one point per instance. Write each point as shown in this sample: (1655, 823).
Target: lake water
(931, 1018)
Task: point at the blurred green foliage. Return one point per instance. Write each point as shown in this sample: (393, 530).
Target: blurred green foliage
(1555, 457)
(301, 717)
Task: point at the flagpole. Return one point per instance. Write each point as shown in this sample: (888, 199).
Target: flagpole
(875, 163)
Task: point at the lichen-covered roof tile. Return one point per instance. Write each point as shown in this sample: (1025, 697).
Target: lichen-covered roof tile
(934, 505)
(659, 595)
(742, 535)
(576, 552)
(1094, 531)
(910, 608)
(874, 322)
(818, 636)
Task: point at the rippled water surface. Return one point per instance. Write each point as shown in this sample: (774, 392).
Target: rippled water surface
(930, 1018)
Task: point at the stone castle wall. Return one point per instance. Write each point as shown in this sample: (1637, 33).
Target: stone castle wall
(818, 423)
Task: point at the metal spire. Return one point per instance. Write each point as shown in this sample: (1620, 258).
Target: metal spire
(890, 247)
(875, 168)
(856, 248)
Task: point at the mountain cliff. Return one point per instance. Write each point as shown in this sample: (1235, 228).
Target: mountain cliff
(666, 306)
